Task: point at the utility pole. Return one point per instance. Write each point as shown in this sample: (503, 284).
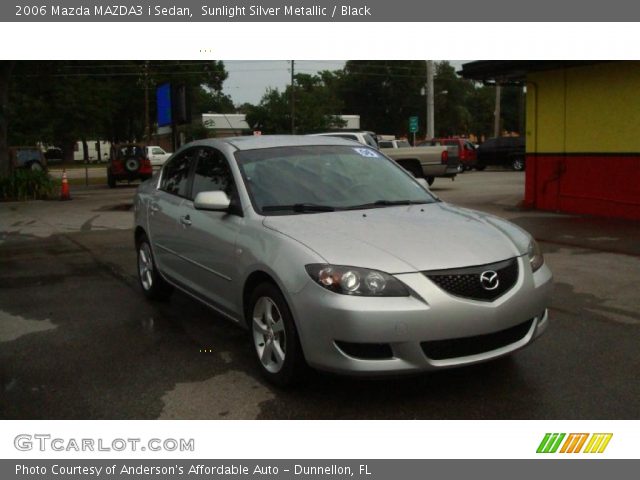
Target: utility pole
(147, 123)
(496, 122)
(430, 104)
(293, 100)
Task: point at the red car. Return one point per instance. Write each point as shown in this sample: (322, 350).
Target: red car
(128, 162)
(466, 150)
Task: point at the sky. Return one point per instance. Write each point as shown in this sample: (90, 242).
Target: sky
(249, 79)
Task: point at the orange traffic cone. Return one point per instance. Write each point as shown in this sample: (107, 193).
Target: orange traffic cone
(64, 189)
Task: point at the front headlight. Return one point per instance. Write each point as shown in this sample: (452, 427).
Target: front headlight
(535, 255)
(356, 281)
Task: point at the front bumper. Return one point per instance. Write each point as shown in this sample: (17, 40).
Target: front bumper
(405, 323)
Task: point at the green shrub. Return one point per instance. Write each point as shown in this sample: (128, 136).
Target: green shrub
(27, 185)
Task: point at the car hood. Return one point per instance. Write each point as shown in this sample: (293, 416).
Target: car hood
(405, 239)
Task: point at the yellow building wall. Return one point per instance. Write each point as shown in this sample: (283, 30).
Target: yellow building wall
(586, 109)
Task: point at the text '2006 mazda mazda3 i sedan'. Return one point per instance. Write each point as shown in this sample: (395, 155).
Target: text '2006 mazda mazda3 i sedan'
(333, 256)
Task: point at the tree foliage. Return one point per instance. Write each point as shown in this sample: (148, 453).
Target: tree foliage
(61, 102)
(316, 107)
(386, 93)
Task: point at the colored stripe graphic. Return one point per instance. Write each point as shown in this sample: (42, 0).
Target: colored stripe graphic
(550, 442)
(598, 442)
(575, 441)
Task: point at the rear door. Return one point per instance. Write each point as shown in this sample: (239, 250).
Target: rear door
(165, 210)
(209, 238)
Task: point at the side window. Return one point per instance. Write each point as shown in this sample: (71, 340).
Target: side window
(212, 173)
(175, 176)
(385, 144)
(157, 151)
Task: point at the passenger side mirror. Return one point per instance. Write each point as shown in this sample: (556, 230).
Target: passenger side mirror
(423, 182)
(216, 201)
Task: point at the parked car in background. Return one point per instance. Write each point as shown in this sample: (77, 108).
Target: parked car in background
(54, 156)
(365, 138)
(331, 255)
(504, 151)
(127, 163)
(466, 150)
(156, 155)
(426, 162)
(30, 158)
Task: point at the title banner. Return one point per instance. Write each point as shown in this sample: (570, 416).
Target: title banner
(318, 11)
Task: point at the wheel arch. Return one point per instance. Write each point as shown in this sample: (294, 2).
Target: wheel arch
(254, 279)
(138, 233)
(412, 165)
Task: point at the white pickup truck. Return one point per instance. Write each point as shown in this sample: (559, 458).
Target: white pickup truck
(156, 155)
(422, 162)
(425, 162)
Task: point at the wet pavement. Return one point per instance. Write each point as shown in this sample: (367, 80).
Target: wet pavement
(79, 341)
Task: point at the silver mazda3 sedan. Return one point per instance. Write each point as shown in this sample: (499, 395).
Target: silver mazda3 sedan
(333, 256)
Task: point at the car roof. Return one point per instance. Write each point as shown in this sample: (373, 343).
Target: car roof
(254, 142)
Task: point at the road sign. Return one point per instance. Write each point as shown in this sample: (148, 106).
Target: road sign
(413, 124)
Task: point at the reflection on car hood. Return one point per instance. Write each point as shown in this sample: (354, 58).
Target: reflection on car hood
(406, 238)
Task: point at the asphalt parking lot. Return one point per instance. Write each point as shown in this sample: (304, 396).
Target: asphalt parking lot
(78, 340)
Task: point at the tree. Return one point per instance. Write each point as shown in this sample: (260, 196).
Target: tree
(317, 107)
(384, 93)
(451, 92)
(6, 67)
(61, 102)
(481, 105)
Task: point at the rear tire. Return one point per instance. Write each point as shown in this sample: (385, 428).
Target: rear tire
(430, 180)
(153, 285)
(111, 181)
(480, 168)
(273, 335)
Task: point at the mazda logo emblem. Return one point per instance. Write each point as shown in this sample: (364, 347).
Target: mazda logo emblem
(489, 280)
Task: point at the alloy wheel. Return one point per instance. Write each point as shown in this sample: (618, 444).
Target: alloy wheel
(145, 266)
(269, 334)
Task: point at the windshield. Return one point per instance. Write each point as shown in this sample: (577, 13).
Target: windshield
(288, 180)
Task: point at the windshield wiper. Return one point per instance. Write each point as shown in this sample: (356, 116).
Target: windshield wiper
(388, 203)
(299, 208)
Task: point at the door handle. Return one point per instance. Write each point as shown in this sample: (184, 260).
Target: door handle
(154, 207)
(185, 220)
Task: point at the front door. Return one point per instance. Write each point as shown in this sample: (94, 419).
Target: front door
(209, 238)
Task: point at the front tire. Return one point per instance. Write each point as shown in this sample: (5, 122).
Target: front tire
(153, 285)
(111, 181)
(274, 337)
(430, 180)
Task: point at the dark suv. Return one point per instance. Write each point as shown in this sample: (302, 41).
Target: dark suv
(506, 151)
(128, 162)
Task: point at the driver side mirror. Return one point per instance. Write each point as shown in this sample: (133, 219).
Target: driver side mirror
(216, 201)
